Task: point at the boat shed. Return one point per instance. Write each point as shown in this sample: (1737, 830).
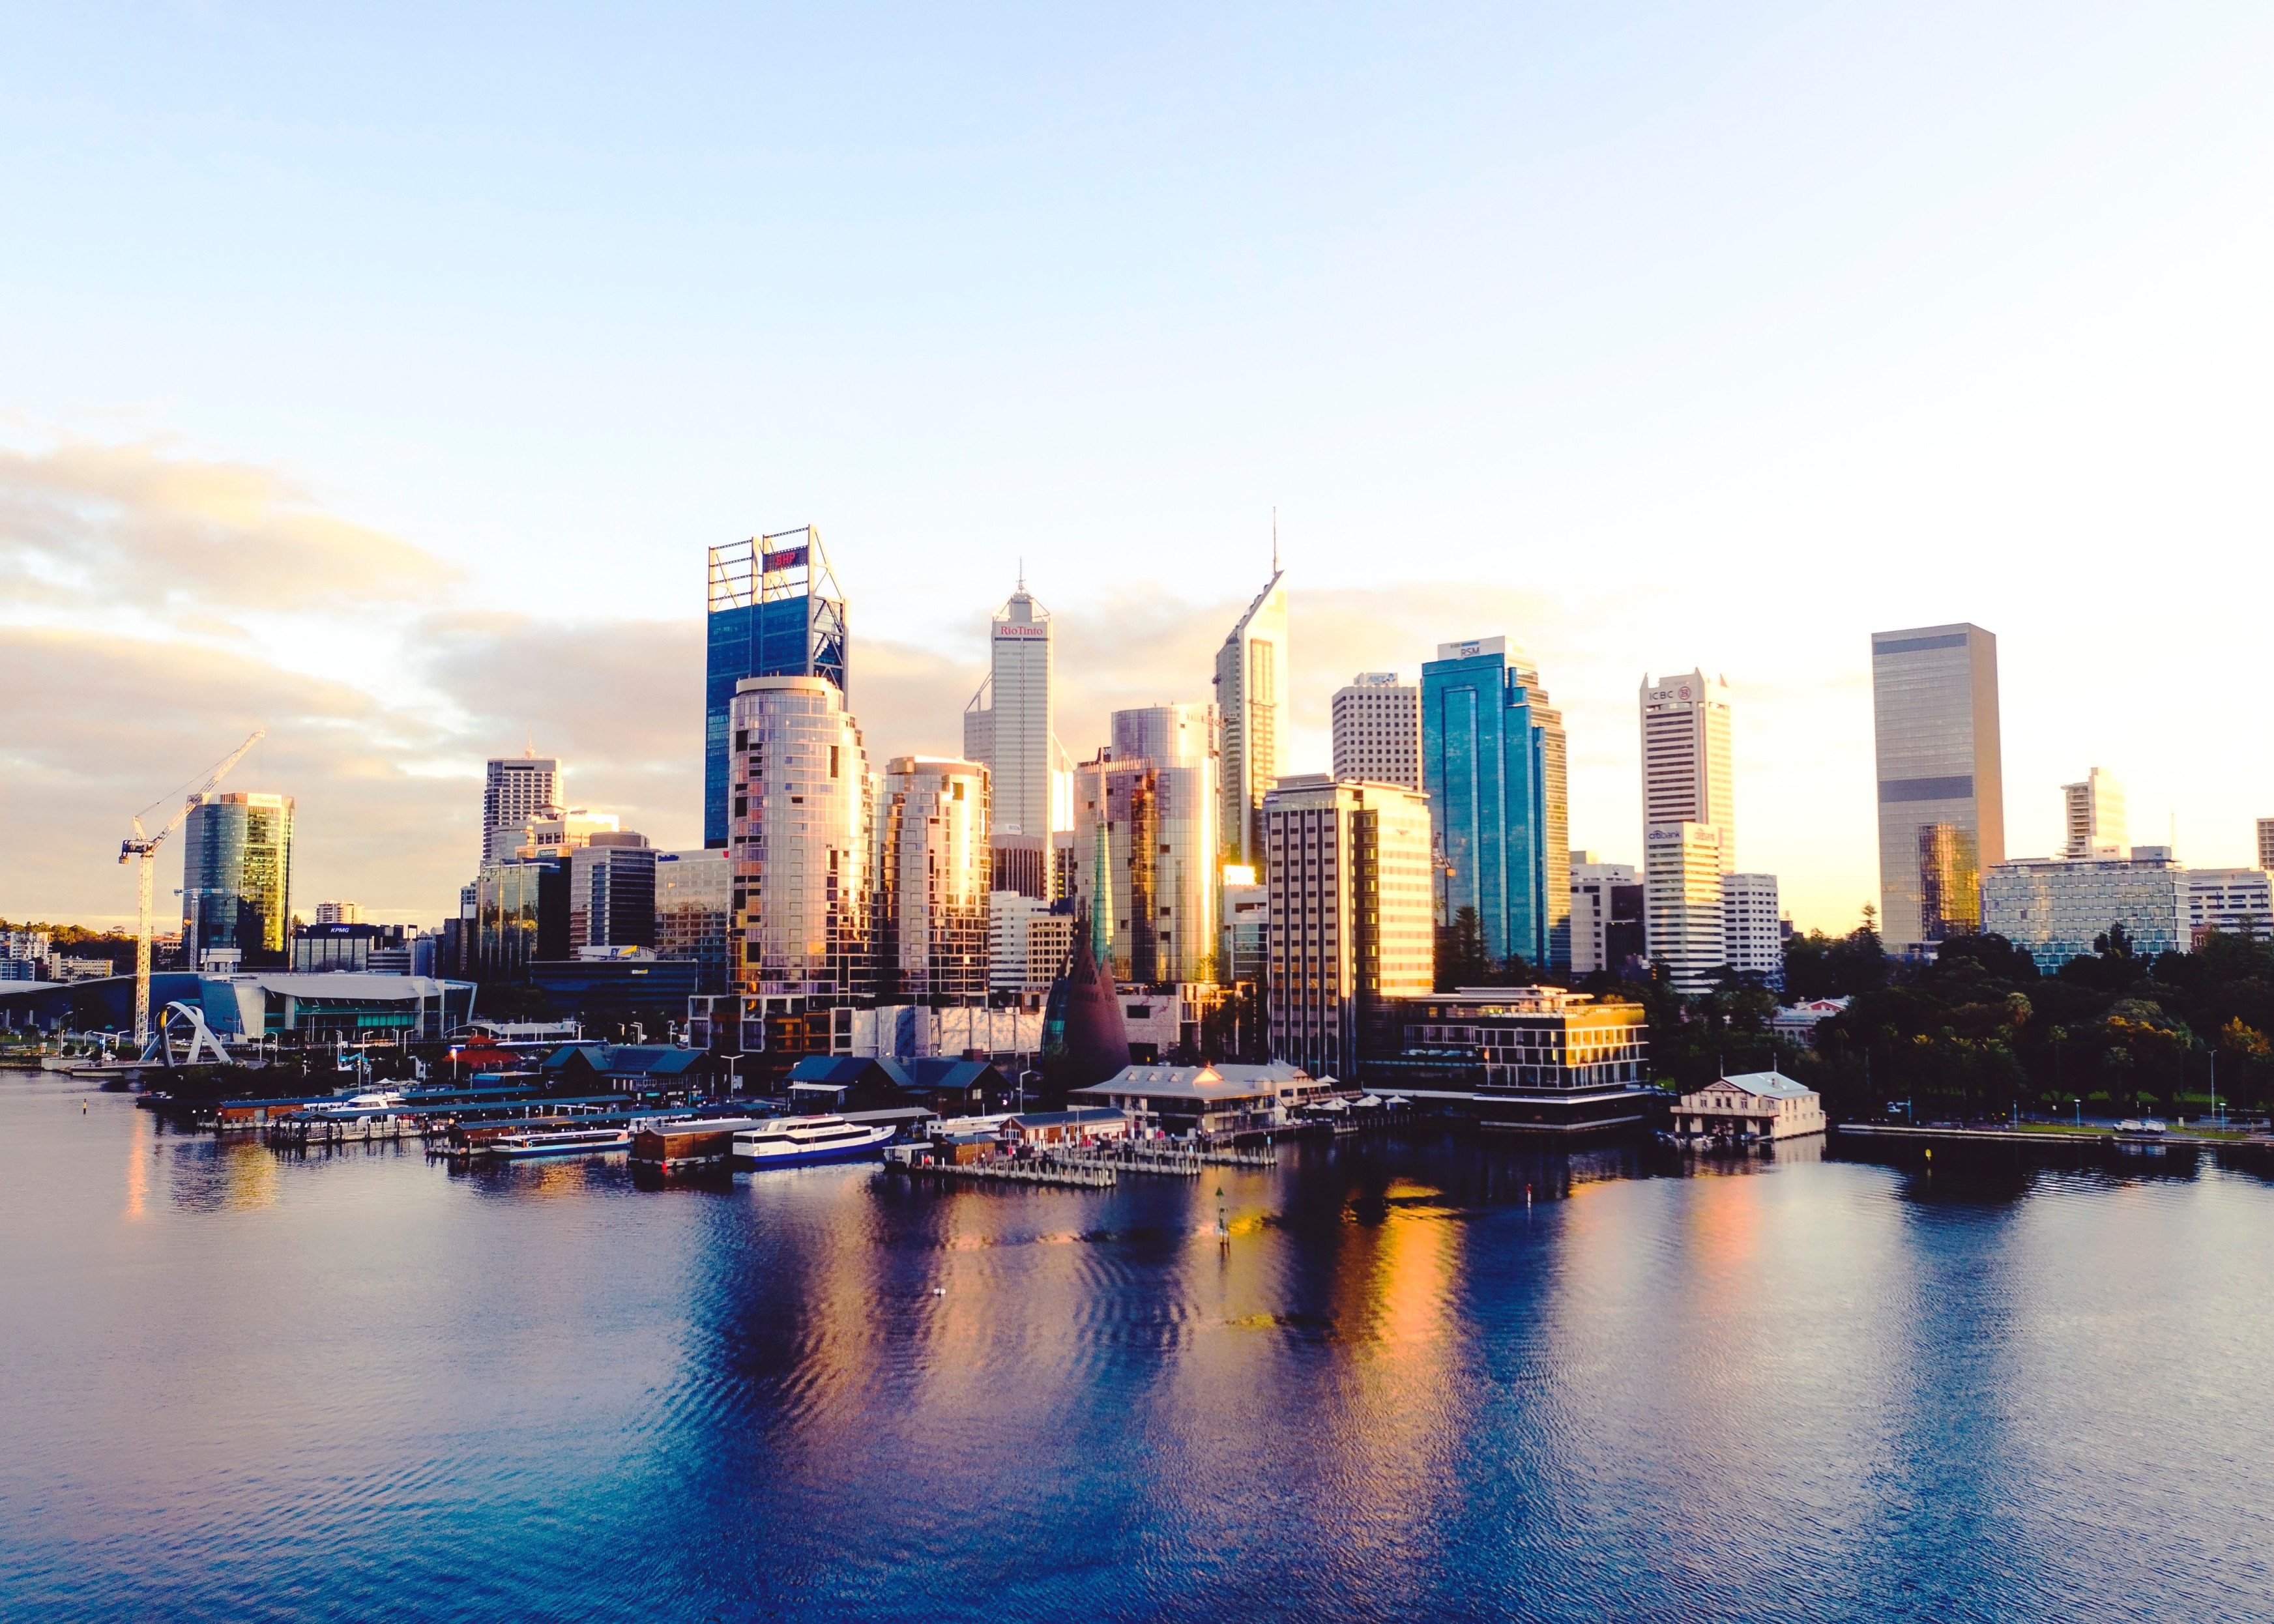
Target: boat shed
(1758, 1105)
(957, 1087)
(842, 1083)
(632, 1068)
(1078, 1126)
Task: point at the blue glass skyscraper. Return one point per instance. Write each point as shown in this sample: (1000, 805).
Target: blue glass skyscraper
(776, 610)
(1494, 762)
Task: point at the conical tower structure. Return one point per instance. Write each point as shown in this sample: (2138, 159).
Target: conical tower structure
(1084, 1038)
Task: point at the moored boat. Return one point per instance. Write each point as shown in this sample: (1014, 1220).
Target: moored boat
(803, 1141)
(558, 1142)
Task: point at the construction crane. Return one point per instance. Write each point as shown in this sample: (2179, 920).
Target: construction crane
(141, 849)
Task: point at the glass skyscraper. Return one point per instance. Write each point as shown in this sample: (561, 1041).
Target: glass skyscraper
(236, 877)
(1252, 678)
(1942, 800)
(776, 610)
(1494, 762)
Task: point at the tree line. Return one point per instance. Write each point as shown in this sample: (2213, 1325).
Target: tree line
(1978, 1032)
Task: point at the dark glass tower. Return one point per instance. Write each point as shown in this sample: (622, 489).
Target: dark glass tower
(776, 610)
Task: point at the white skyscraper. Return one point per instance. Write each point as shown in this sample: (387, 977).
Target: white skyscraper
(1251, 697)
(1690, 838)
(1008, 726)
(519, 790)
(1685, 755)
(2094, 816)
(1683, 867)
(1378, 730)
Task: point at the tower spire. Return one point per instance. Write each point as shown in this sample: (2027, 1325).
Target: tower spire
(1275, 539)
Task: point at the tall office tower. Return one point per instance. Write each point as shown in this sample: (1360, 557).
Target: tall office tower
(612, 891)
(1685, 755)
(1251, 696)
(1753, 926)
(1494, 764)
(2266, 842)
(1685, 779)
(1029, 943)
(1352, 920)
(1934, 713)
(1009, 725)
(1682, 899)
(2093, 815)
(1605, 897)
(236, 878)
(1378, 730)
(1145, 838)
(339, 912)
(517, 790)
(933, 942)
(776, 610)
(800, 810)
(694, 896)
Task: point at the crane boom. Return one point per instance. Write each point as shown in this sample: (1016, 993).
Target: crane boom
(141, 850)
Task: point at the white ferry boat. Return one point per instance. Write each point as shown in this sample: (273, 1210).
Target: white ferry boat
(559, 1142)
(800, 1141)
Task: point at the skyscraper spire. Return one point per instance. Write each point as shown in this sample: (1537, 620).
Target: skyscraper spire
(1275, 539)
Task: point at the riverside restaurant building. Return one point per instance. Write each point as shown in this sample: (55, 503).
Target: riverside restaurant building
(1213, 1101)
(1538, 1059)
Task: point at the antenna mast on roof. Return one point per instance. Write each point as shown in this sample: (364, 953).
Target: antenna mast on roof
(1275, 539)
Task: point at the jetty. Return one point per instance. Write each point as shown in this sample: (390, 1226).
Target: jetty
(2048, 1136)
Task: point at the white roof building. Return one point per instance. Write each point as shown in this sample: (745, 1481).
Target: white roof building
(1756, 1105)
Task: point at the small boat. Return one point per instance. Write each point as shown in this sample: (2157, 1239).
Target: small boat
(801, 1141)
(559, 1142)
(378, 1102)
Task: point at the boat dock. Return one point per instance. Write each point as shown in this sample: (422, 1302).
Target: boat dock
(1012, 1170)
(2100, 1137)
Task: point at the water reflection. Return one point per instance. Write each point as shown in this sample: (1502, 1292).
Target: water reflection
(361, 1385)
(239, 1174)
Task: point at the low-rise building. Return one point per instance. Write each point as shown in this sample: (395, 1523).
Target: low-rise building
(1799, 1022)
(1079, 1126)
(1755, 1105)
(1212, 1101)
(1607, 915)
(2054, 908)
(1537, 1058)
(2238, 902)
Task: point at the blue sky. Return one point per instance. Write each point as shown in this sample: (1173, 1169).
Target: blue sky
(403, 362)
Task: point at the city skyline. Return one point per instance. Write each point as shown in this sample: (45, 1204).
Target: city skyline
(1108, 664)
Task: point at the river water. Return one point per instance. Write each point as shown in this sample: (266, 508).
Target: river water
(1428, 1379)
